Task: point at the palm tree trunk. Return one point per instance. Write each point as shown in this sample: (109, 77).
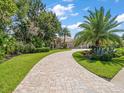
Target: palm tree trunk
(64, 39)
(97, 43)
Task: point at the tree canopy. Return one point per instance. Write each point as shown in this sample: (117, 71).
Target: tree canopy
(7, 9)
(26, 24)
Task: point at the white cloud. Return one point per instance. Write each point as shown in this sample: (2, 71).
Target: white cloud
(120, 18)
(74, 14)
(68, 0)
(86, 8)
(116, 0)
(63, 26)
(60, 10)
(63, 18)
(74, 26)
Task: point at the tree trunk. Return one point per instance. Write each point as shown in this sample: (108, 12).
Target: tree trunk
(64, 45)
(64, 39)
(97, 43)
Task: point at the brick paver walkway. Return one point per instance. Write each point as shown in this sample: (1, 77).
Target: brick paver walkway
(59, 73)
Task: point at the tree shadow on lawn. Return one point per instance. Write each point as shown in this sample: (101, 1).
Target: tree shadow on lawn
(115, 61)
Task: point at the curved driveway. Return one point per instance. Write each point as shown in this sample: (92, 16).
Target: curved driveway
(59, 73)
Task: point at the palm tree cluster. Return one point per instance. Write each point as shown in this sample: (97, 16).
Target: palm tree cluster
(99, 29)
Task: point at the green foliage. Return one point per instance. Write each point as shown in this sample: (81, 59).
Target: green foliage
(23, 8)
(7, 9)
(103, 50)
(34, 24)
(104, 54)
(26, 25)
(45, 49)
(34, 7)
(2, 53)
(7, 44)
(38, 42)
(29, 48)
(106, 57)
(95, 57)
(119, 52)
(101, 53)
(24, 48)
(99, 29)
(49, 25)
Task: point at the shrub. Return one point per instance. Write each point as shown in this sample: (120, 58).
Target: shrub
(100, 53)
(45, 49)
(95, 57)
(19, 48)
(106, 57)
(29, 48)
(2, 53)
(86, 52)
(22, 48)
(119, 52)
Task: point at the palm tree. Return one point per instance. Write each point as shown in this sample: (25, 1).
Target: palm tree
(65, 32)
(99, 29)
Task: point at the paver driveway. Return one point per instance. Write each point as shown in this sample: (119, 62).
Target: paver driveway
(59, 73)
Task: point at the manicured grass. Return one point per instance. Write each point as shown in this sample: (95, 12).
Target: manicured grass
(101, 68)
(14, 70)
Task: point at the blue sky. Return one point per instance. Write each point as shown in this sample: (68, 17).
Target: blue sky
(71, 12)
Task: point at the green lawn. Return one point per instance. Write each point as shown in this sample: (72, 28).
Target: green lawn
(101, 68)
(14, 70)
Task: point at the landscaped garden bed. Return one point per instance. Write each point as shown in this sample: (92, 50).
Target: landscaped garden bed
(100, 34)
(105, 69)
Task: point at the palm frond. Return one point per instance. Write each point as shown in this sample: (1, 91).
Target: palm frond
(99, 27)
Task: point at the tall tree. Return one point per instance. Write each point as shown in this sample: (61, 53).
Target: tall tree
(49, 26)
(35, 8)
(7, 9)
(20, 25)
(27, 19)
(99, 29)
